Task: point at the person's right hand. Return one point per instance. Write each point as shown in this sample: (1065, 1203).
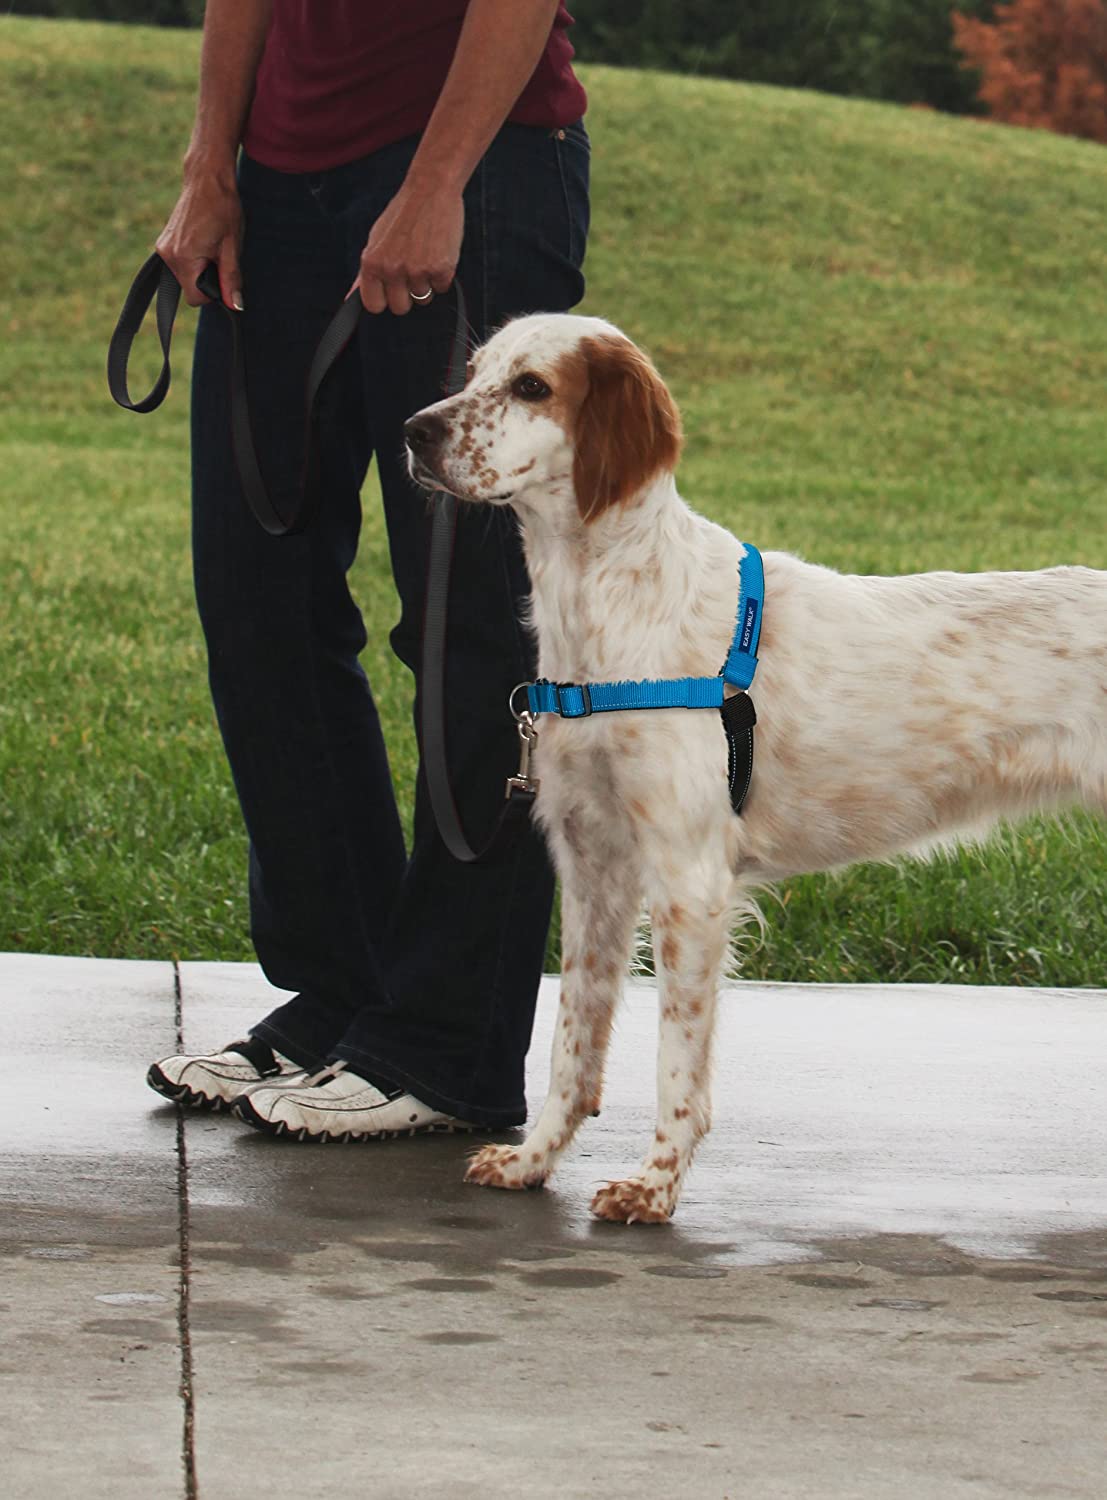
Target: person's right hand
(205, 225)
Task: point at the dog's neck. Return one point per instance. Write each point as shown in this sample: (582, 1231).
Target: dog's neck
(607, 593)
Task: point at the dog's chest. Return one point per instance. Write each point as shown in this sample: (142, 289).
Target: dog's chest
(629, 768)
(583, 766)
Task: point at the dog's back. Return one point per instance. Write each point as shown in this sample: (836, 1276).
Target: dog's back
(895, 713)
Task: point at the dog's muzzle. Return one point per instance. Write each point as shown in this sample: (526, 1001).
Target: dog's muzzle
(424, 434)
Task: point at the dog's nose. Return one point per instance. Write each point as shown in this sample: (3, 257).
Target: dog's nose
(424, 431)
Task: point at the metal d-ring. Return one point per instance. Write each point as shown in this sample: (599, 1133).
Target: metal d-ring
(521, 717)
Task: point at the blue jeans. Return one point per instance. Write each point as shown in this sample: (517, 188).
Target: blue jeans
(419, 971)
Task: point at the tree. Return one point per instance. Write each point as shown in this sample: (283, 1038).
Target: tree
(1042, 63)
(877, 49)
(149, 12)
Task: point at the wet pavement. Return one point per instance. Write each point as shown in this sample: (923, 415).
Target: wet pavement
(887, 1276)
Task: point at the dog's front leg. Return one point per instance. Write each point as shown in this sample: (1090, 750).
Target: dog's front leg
(599, 905)
(690, 939)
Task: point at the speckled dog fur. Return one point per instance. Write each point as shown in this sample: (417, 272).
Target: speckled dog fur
(894, 714)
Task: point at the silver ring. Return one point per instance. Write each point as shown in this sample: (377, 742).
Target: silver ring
(521, 716)
(421, 296)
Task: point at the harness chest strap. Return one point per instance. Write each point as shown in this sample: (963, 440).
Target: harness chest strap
(578, 700)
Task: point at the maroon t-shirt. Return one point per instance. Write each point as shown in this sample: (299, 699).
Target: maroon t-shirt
(341, 78)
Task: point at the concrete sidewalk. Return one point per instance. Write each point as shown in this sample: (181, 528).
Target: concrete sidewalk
(888, 1275)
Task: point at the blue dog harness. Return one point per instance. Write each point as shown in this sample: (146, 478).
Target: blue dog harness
(578, 700)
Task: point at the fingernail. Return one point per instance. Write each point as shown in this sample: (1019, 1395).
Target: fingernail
(236, 299)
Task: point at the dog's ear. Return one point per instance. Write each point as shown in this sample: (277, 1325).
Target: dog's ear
(627, 428)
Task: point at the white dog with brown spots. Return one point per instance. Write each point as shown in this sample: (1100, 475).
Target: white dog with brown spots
(894, 714)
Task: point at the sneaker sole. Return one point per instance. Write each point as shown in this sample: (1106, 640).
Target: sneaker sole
(249, 1116)
(180, 1093)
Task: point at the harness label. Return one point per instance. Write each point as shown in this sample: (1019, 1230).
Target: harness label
(747, 625)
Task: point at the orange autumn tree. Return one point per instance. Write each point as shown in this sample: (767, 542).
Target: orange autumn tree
(1042, 63)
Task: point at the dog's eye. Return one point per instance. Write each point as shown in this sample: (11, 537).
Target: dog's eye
(529, 387)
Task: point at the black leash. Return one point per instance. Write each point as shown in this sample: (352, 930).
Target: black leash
(156, 280)
(520, 790)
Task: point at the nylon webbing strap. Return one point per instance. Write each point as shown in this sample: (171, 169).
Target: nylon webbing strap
(576, 700)
(741, 662)
(518, 802)
(298, 505)
(154, 279)
(739, 717)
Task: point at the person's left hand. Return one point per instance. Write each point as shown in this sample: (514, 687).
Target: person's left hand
(413, 248)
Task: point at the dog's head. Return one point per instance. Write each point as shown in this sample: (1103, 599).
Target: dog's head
(560, 414)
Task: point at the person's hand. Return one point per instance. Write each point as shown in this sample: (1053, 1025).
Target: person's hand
(205, 225)
(413, 248)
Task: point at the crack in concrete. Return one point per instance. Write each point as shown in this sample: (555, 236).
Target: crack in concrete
(184, 1284)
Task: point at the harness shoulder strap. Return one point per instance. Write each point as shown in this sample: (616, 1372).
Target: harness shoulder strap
(741, 662)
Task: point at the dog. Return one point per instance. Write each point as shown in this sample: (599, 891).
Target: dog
(895, 715)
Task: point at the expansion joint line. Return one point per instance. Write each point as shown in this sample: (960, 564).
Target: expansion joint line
(184, 1284)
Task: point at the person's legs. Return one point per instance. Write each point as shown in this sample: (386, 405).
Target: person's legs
(464, 953)
(283, 635)
(421, 975)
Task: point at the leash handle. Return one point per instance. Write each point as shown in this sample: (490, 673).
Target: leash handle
(154, 279)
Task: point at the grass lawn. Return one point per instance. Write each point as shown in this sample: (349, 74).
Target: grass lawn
(885, 328)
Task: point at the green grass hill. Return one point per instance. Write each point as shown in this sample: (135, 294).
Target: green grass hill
(886, 331)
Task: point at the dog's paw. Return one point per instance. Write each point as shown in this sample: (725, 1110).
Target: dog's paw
(504, 1167)
(634, 1202)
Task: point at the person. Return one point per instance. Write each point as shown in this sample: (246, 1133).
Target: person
(396, 146)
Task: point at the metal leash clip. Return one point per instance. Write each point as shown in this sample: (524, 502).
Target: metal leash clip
(522, 781)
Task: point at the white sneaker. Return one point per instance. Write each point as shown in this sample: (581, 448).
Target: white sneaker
(216, 1079)
(336, 1105)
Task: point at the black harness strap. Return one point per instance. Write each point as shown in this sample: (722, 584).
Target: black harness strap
(739, 717)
